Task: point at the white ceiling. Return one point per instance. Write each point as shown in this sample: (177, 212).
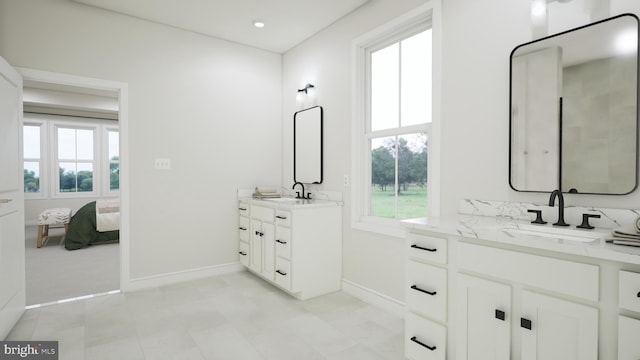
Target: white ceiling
(288, 22)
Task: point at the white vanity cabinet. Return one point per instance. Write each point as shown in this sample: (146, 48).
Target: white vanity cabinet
(629, 327)
(243, 233)
(475, 299)
(297, 247)
(426, 298)
(548, 326)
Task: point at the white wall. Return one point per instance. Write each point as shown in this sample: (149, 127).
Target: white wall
(211, 106)
(478, 37)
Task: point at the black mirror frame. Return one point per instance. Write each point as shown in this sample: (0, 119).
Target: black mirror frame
(572, 191)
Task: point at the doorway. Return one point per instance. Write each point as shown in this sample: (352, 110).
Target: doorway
(53, 273)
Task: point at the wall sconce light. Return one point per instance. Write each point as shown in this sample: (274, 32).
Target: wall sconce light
(306, 96)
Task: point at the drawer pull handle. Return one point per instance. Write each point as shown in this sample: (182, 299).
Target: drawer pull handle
(242, 209)
(423, 248)
(638, 294)
(259, 233)
(242, 228)
(281, 217)
(242, 253)
(415, 287)
(415, 340)
(525, 323)
(281, 273)
(281, 242)
(500, 315)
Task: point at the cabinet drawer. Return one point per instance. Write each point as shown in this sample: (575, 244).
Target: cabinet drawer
(283, 273)
(243, 209)
(428, 248)
(628, 345)
(244, 253)
(243, 228)
(427, 290)
(629, 290)
(425, 340)
(283, 218)
(561, 276)
(261, 213)
(283, 242)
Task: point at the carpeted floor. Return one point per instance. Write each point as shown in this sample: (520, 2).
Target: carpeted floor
(54, 273)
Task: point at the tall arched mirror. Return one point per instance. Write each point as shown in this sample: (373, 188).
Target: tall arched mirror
(574, 110)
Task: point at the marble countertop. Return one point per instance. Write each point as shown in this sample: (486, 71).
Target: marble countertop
(502, 230)
(290, 203)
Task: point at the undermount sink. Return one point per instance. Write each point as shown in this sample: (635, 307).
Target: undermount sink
(556, 233)
(288, 200)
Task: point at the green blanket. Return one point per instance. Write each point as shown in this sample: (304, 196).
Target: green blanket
(82, 229)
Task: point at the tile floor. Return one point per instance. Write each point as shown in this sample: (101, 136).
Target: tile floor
(234, 316)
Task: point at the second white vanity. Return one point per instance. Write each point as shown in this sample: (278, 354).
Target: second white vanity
(481, 288)
(295, 244)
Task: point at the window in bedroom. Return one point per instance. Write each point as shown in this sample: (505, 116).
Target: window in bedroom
(75, 159)
(32, 153)
(113, 151)
(394, 121)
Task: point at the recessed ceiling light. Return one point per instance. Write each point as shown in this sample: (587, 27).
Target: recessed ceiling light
(258, 24)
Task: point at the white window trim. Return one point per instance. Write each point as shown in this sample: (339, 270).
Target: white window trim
(429, 12)
(105, 161)
(54, 170)
(44, 137)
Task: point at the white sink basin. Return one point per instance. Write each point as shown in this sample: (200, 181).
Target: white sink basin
(556, 233)
(282, 199)
(288, 200)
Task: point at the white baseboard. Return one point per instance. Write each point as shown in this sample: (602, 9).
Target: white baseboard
(180, 276)
(373, 297)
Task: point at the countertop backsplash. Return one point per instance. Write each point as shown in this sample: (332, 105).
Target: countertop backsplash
(609, 218)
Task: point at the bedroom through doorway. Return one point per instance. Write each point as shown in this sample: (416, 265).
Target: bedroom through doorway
(71, 161)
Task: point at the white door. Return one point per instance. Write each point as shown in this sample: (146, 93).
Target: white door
(555, 329)
(269, 251)
(484, 319)
(12, 263)
(255, 246)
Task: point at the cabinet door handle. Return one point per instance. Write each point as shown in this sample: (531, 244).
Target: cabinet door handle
(281, 273)
(638, 294)
(415, 340)
(500, 315)
(259, 233)
(242, 253)
(281, 217)
(281, 242)
(423, 248)
(242, 228)
(525, 323)
(415, 287)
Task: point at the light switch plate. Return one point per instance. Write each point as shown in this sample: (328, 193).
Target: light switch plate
(163, 164)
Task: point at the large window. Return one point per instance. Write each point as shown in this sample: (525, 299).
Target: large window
(75, 159)
(66, 156)
(393, 122)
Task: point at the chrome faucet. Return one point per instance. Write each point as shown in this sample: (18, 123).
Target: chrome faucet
(558, 194)
(298, 195)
